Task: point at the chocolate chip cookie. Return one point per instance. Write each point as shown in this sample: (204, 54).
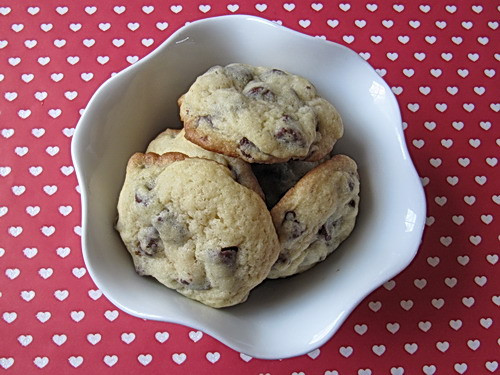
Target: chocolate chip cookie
(190, 225)
(260, 115)
(316, 215)
(173, 140)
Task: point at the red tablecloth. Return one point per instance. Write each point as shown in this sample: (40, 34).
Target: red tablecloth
(440, 316)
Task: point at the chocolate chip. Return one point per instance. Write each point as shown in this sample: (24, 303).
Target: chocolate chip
(290, 135)
(205, 121)
(153, 244)
(246, 147)
(323, 231)
(192, 284)
(262, 93)
(140, 270)
(245, 154)
(329, 230)
(149, 241)
(142, 195)
(292, 225)
(297, 230)
(278, 72)
(290, 215)
(227, 255)
(172, 227)
(138, 199)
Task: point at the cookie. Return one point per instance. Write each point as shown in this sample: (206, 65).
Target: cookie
(172, 140)
(190, 225)
(316, 215)
(260, 115)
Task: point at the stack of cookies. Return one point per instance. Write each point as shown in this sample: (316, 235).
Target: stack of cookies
(249, 189)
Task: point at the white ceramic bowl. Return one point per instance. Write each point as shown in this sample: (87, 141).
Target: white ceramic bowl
(282, 318)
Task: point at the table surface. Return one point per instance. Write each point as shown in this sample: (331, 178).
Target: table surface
(439, 316)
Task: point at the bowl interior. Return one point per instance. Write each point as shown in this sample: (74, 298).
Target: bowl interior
(281, 318)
